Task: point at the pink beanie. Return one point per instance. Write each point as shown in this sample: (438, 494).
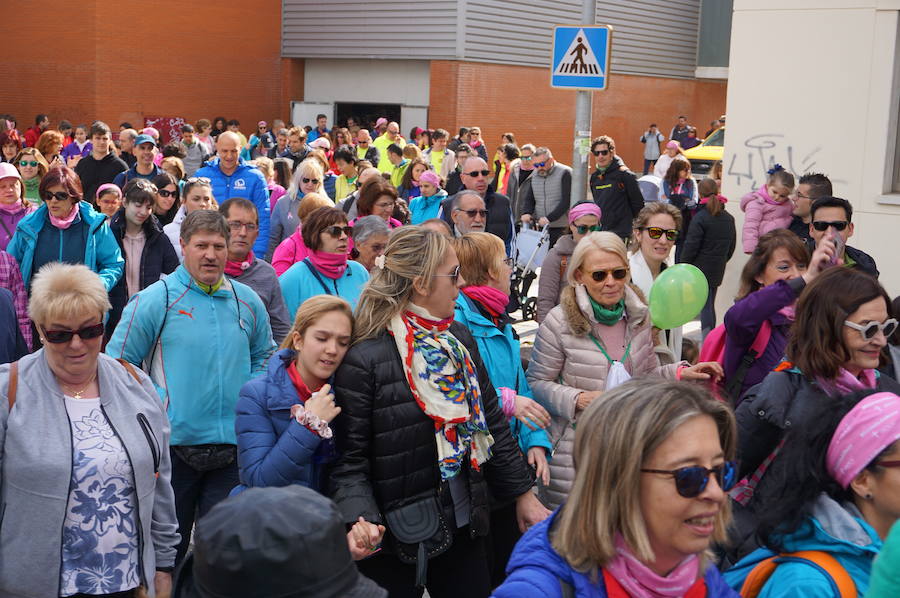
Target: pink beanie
(430, 177)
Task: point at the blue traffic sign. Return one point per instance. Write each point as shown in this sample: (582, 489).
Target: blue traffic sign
(580, 56)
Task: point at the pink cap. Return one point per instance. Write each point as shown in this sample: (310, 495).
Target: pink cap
(380, 121)
(672, 145)
(150, 131)
(869, 428)
(7, 170)
(430, 177)
(321, 143)
(585, 208)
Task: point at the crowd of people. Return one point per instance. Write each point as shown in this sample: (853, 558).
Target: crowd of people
(285, 365)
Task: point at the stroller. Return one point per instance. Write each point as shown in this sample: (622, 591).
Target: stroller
(531, 248)
(650, 186)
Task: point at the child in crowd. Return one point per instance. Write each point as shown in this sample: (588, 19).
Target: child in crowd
(768, 208)
(108, 200)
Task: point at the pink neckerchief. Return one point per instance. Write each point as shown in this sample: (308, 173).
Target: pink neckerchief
(234, 269)
(64, 223)
(332, 265)
(12, 208)
(494, 300)
(642, 582)
(845, 382)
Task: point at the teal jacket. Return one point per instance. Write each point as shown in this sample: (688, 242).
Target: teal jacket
(500, 352)
(423, 208)
(885, 582)
(102, 254)
(833, 528)
(301, 281)
(199, 350)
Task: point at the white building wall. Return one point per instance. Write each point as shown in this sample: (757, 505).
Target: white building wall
(813, 86)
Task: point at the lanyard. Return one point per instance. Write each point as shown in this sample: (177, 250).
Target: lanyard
(318, 277)
(605, 354)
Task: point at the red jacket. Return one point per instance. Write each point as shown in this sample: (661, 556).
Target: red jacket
(32, 135)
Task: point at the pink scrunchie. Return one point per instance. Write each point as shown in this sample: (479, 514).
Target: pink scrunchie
(869, 428)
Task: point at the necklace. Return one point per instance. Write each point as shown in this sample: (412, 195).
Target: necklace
(77, 394)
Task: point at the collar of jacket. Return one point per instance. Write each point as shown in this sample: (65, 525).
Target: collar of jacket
(184, 277)
(34, 222)
(151, 226)
(580, 316)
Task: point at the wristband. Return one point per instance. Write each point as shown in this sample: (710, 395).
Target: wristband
(678, 372)
(508, 399)
(311, 422)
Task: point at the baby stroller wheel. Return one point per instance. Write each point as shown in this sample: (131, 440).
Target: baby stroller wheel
(529, 308)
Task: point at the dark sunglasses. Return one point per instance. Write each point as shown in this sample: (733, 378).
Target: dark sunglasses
(618, 274)
(454, 276)
(167, 193)
(313, 181)
(656, 232)
(690, 482)
(822, 225)
(539, 164)
(64, 336)
(475, 173)
(868, 331)
(32, 163)
(600, 152)
(335, 231)
(584, 229)
(59, 196)
(473, 213)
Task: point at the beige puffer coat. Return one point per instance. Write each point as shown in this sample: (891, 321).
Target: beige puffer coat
(565, 362)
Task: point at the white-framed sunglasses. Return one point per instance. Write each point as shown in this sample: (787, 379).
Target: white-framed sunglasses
(868, 331)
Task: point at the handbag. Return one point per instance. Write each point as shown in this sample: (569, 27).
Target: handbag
(419, 533)
(207, 457)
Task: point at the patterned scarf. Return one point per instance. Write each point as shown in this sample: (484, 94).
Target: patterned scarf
(442, 379)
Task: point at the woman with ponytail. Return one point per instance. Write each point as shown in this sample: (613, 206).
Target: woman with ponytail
(421, 436)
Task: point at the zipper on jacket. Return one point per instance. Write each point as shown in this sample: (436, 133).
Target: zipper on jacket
(151, 440)
(62, 530)
(137, 500)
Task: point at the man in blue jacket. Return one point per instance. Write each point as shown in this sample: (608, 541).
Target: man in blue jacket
(200, 337)
(232, 177)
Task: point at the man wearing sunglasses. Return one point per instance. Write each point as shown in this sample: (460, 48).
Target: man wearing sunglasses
(547, 198)
(230, 176)
(519, 177)
(200, 337)
(830, 217)
(498, 221)
(614, 188)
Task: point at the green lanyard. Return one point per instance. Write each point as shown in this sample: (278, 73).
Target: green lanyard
(605, 354)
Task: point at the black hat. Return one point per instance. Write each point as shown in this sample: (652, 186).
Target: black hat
(287, 542)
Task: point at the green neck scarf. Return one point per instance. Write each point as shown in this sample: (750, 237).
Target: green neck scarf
(210, 289)
(608, 317)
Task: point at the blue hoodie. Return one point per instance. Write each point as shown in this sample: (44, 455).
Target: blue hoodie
(97, 248)
(833, 528)
(247, 182)
(423, 208)
(535, 570)
(500, 352)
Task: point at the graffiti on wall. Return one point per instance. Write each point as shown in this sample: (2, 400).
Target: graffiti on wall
(759, 153)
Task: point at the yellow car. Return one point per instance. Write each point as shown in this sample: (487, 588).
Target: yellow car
(703, 156)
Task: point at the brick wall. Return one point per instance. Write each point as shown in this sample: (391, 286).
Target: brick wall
(502, 98)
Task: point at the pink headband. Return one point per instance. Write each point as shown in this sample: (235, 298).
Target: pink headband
(106, 187)
(584, 209)
(431, 177)
(869, 428)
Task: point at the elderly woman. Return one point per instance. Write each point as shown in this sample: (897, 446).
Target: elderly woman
(66, 229)
(32, 166)
(654, 463)
(481, 307)
(370, 237)
(599, 336)
(87, 499)
(378, 197)
(421, 436)
(326, 270)
(292, 250)
(13, 205)
(584, 218)
(307, 178)
(50, 144)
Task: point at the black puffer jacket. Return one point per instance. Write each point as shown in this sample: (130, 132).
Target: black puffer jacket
(388, 455)
(617, 193)
(710, 244)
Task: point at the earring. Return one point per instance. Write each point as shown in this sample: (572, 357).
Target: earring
(868, 497)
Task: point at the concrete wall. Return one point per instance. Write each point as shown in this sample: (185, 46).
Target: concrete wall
(822, 96)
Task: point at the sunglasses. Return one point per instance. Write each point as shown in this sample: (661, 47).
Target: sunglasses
(656, 232)
(167, 193)
(868, 331)
(198, 179)
(539, 164)
(822, 225)
(584, 229)
(618, 274)
(473, 213)
(475, 173)
(313, 181)
(527, 158)
(336, 231)
(59, 196)
(454, 276)
(600, 152)
(690, 482)
(64, 336)
(32, 163)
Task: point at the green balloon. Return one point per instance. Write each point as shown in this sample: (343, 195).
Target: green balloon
(677, 296)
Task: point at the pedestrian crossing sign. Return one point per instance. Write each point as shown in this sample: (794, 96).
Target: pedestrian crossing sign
(580, 56)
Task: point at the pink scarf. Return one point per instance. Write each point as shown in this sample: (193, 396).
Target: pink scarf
(845, 382)
(789, 312)
(235, 269)
(495, 301)
(764, 193)
(64, 223)
(641, 582)
(12, 208)
(332, 265)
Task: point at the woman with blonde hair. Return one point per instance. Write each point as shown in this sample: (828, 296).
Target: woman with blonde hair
(292, 249)
(296, 389)
(308, 177)
(597, 337)
(654, 463)
(33, 166)
(421, 435)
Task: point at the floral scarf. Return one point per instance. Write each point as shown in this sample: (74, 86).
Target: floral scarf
(443, 381)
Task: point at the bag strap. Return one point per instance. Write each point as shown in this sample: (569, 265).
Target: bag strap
(317, 276)
(743, 492)
(563, 265)
(841, 581)
(130, 369)
(13, 385)
(736, 381)
(567, 589)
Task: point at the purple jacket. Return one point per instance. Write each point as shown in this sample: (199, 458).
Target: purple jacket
(71, 150)
(743, 321)
(8, 223)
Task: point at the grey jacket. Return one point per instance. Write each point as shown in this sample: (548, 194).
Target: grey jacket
(549, 196)
(515, 190)
(261, 277)
(36, 470)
